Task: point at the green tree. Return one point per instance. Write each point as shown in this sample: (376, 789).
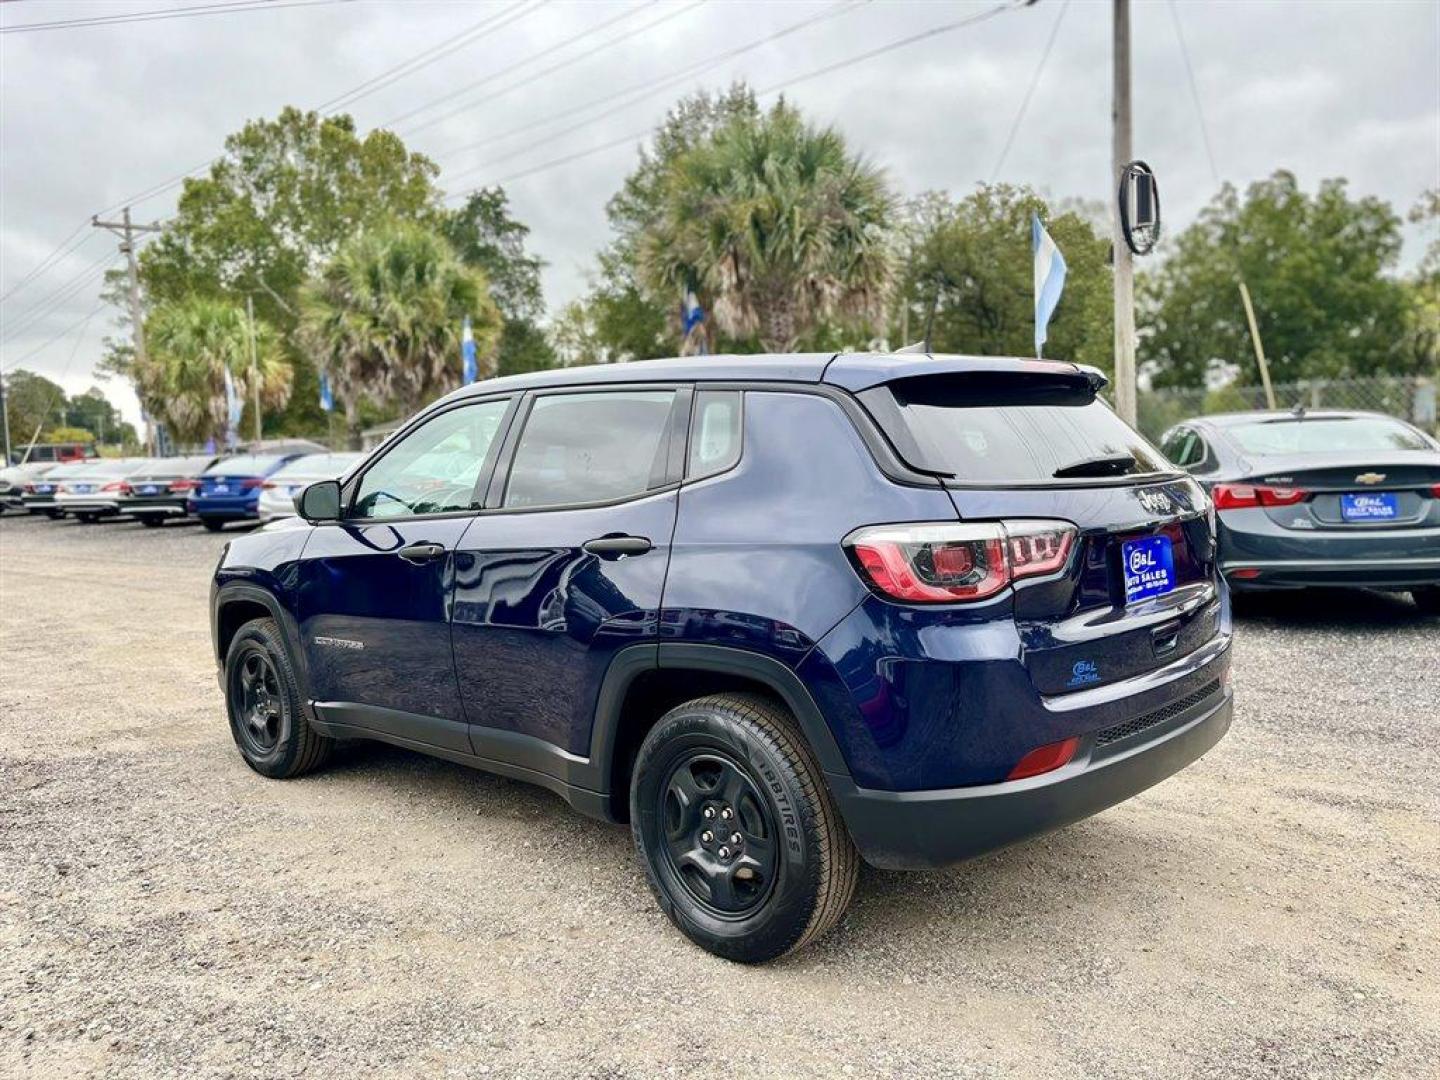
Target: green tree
(34, 403)
(970, 262)
(630, 321)
(192, 343)
(485, 235)
(1319, 268)
(779, 223)
(277, 205)
(383, 319)
(92, 410)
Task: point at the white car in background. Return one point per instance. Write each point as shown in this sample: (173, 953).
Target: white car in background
(277, 494)
(95, 492)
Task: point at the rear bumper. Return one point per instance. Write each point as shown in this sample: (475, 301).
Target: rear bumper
(88, 505)
(1259, 574)
(911, 830)
(225, 509)
(173, 506)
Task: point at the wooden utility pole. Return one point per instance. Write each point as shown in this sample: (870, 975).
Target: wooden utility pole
(5, 412)
(1124, 263)
(127, 233)
(1259, 346)
(254, 360)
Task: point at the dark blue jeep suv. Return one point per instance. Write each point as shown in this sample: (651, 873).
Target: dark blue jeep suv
(779, 613)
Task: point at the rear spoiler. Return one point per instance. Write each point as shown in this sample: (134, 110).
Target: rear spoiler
(862, 371)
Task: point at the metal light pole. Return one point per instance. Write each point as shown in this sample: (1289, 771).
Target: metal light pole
(5, 412)
(1124, 262)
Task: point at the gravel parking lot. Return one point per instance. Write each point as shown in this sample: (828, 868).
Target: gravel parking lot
(1272, 911)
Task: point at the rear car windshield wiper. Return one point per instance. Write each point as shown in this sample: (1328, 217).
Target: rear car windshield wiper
(1103, 465)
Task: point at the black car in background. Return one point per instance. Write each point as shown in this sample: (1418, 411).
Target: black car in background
(158, 492)
(1319, 498)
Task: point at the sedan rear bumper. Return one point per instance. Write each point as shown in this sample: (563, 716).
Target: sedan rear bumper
(1257, 574)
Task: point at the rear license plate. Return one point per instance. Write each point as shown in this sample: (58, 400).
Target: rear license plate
(84, 489)
(1149, 566)
(221, 489)
(146, 489)
(43, 489)
(1368, 506)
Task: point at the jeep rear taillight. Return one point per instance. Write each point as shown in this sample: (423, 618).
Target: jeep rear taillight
(947, 564)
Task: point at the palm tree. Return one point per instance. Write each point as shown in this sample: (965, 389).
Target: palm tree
(383, 319)
(777, 226)
(192, 343)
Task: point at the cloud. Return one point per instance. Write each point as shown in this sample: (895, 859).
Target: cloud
(91, 116)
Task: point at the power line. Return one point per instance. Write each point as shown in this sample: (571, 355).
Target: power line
(542, 72)
(62, 249)
(1195, 94)
(858, 58)
(1029, 93)
(51, 302)
(643, 90)
(164, 14)
(63, 333)
(428, 56)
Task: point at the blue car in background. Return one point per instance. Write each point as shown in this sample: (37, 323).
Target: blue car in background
(230, 489)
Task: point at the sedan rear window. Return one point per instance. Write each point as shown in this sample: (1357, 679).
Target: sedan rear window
(1008, 429)
(1326, 434)
(248, 465)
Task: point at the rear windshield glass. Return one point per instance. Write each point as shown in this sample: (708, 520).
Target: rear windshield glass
(1325, 434)
(175, 466)
(320, 466)
(1008, 430)
(244, 466)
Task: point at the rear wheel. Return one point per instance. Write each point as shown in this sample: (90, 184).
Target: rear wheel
(152, 521)
(262, 697)
(55, 515)
(87, 519)
(743, 847)
(213, 524)
(1427, 599)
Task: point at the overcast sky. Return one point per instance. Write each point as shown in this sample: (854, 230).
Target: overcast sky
(90, 117)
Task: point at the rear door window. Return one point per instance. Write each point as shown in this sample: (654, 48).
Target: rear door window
(1008, 429)
(593, 447)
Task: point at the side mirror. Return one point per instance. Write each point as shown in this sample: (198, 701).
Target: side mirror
(319, 502)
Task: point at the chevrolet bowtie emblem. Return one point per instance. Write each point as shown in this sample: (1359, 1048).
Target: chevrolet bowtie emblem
(1370, 478)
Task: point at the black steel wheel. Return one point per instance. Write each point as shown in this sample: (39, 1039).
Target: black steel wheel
(255, 689)
(720, 836)
(741, 842)
(263, 699)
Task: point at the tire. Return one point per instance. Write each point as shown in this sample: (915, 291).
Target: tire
(151, 521)
(762, 772)
(282, 745)
(55, 515)
(213, 524)
(1427, 599)
(87, 519)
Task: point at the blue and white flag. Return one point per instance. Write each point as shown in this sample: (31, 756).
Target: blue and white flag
(471, 367)
(1049, 279)
(691, 316)
(327, 399)
(234, 406)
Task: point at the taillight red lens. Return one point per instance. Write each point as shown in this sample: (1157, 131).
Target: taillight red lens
(1435, 490)
(251, 483)
(1243, 496)
(269, 485)
(29, 489)
(118, 486)
(937, 564)
(184, 485)
(1045, 758)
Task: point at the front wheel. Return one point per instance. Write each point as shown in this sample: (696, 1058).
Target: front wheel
(262, 697)
(1427, 599)
(743, 847)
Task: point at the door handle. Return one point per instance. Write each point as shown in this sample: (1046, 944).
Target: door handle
(617, 547)
(422, 552)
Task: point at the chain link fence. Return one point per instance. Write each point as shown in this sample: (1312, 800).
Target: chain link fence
(1411, 398)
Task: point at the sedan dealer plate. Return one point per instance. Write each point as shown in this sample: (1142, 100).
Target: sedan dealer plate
(146, 489)
(1369, 506)
(1149, 567)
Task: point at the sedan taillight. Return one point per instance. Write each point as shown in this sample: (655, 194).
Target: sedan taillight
(119, 487)
(946, 564)
(251, 483)
(1244, 496)
(184, 485)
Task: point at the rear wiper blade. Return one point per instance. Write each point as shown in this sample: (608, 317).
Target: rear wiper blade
(1103, 465)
